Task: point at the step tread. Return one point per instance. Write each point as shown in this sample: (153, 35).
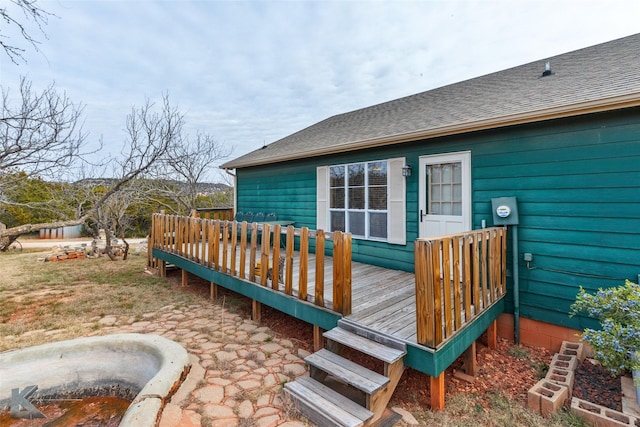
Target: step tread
(347, 371)
(365, 345)
(382, 338)
(326, 407)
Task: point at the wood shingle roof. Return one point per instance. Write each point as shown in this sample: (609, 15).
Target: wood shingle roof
(597, 78)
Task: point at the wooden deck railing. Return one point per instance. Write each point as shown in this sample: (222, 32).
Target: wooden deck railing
(232, 248)
(457, 278)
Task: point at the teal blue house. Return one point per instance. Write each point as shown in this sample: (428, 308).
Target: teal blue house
(561, 134)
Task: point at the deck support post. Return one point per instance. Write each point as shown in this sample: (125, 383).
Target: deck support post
(256, 311)
(492, 335)
(162, 268)
(317, 338)
(470, 366)
(185, 277)
(213, 291)
(437, 392)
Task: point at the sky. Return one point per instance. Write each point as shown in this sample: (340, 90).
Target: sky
(251, 72)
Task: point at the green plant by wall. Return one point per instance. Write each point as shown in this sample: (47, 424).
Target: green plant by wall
(618, 311)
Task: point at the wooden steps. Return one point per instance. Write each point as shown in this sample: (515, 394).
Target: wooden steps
(324, 406)
(327, 396)
(346, 371)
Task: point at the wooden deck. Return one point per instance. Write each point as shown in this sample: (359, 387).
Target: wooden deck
(383, 300)
(380, 300)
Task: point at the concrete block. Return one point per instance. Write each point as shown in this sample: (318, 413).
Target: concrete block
(546, 397)
(569, 348)
(562, 361)
(600, 416)
(562, 377)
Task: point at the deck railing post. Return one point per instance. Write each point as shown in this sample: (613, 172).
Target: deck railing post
(338, 271)
(346, 286)
(234, 245)
(276, 267)
(264, 254)
(319, 290)
(304, 263)
(288, 281)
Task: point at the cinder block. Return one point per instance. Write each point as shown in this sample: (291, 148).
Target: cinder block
(569, 348)
(563, 377)
(562, 361)
(546, 397)
(600, 416)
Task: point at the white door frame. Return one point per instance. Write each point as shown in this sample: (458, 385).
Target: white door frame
(423, 216)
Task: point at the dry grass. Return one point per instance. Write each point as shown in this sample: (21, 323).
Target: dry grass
(462, 410)
(43, 302)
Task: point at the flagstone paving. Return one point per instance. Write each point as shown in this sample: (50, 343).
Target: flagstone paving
(238, 367)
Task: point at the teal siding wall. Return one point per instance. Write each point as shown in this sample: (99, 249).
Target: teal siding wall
(578, 187)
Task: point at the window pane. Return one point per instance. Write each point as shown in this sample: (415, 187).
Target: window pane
(378, 198)
(337, 198)
(457, 192)
(434, 173)
(435, 209)
(446, 172)
(336, 176)
(356, 174)
(446, 193)
(356, 198)
(378, 173)
(435, 193)
(356, 223)
(446, 209)
(378, 225)
(337, 221)
(457, 208)
(457, 172)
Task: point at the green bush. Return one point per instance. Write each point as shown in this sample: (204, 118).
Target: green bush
(618, 311)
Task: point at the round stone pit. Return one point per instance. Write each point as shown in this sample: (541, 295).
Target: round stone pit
(148, 367)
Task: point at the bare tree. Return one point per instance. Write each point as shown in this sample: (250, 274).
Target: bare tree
(151, 132)
(20, 15)
(113, 217)
(188, 165)
(39, 133)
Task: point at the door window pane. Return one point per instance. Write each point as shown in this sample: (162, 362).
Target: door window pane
(445, 188)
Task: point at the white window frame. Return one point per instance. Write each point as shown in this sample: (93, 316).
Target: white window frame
(367, 211)
(396, 201)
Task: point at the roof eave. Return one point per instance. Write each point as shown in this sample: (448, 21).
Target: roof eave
(589, 107)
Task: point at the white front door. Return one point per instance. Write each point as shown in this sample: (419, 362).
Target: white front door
(445, 194)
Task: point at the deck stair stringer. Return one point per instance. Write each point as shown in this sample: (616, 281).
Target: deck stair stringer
(336, 381)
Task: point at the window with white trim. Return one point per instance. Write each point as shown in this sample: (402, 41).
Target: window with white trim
(358, 199)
